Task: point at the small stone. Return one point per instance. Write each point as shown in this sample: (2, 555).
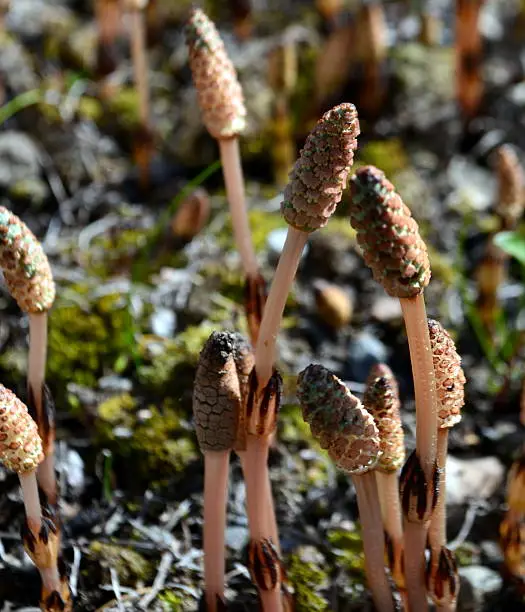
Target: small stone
(163, 322)
(364, 351)
(477, 584)
(276, 239)
(237, 538)
(334, 305)
(387, 309)
(469, 479)
(116, 384)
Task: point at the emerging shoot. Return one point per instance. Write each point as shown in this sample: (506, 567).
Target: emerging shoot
(381, 399)
(442, 576)
(224, 114)
(217, 407)
(397, 255)
(21, 451)
(29, 279)
(343, 427)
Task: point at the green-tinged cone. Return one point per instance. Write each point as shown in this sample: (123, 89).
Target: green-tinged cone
(319, 175)
(25, 266)
(338, 420)
(388, 234)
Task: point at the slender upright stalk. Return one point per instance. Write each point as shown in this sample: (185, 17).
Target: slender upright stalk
(233, 178)
(35, 382)
(216, 467)
(388, 489)
(437, 532)
(140, 64)
(415, 540)
(348, 432)
(273, 311)
(373, 540)
(415, 316)
(29, 487)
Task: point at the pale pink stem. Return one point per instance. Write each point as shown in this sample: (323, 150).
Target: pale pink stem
(108, 19)
(36, 372)
(415, 316)
(447, 607)
(373, 540)
(388, 489)
(140, 66)
(216, 469)
(234, 181)
(254, 462)
(259, 505)
(437, 531)
(50, 578)
(274, 308)
(31, 499)
(415, 540)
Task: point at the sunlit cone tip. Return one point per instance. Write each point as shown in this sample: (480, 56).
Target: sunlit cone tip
(516, 486)
(217, 401)
(450, 378)
(25, 266)
(218, 89)
(381, 399)
(442, 578)
(388, 234)
(20, 444)
(338, 420)
(319, 175)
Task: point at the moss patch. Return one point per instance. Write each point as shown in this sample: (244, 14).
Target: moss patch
(308, 581)
(129, 564)
(347, 546)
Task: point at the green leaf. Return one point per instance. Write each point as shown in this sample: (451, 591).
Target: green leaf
(513, 243)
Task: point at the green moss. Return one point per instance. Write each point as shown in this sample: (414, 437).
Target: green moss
(261, 224)
(129, 564)
(125, 105)
(168, 367)
(171, 601)
(88, 337)
(307, 579)
(347, 546)
(442, 266)
(89, 108)
(388, 155)
(115, 253)
(158, 442)
(466, 554)
(292, 424)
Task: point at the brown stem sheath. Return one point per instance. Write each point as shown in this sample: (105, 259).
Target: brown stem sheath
(437, 531)
(415, 539)
(36, 371)
(373, 540)
(415, 316)
(260, 509)
(108, 19)
(274, 308)
(216, 468)
(388, 489)
(233, 178)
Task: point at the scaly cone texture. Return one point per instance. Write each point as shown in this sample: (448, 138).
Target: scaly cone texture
(26, 269)
(450, 379)
(218, 89)
(511, 186)
(381, 399)
(319, 176)
(20, 444)
(388, 234)
(338, 420)
(217, 401)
